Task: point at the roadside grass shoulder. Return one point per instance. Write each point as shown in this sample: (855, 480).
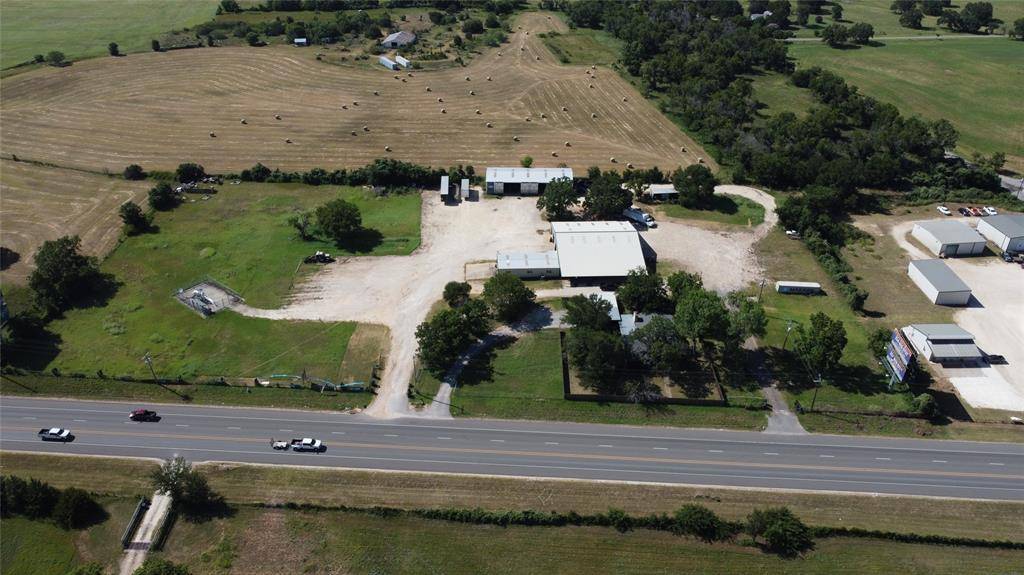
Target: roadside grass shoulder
(239, 237)
(855, 424)
(197, 394)
(728, 209)
(82, 29)
(523, 380)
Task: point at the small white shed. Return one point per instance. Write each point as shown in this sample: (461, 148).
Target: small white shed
(405, 63)
(387, 63)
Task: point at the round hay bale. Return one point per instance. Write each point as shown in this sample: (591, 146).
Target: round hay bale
(353, 132)
(440, 99)
(700, 160)
(387, 148)
(243, 121)
(564, 109)
(543, 115)
(472, 93)
(277, 116)
(591, 85)
(515, 138)
(629, 165)
(344, 107)
(593, 115)
(489, 125)
(366, 128)
(396, 76)
(488, 78)
(428, 88)
(410, 74)
(682, 149)
(554, 154)
(467, 78)
(443, 111)
(568, 145)
(612, 160)
(355, 103)
(527, 118)
(376, 93)
(499, 53)
(625, 99)
(403, 80)
(212, 135)
(478, 111)
(592, 67)
(287, 140)
(538, 57)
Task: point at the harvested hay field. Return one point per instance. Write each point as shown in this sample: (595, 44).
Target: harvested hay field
(39, 203)
(158, 109)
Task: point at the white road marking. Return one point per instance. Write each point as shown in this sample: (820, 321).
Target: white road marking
(550, 443)
(337, 433)
(439, 437)
(28, 418)
(605, 445)
(234, 428)
(770, 453)
(828, 456)
(390, 435)
(286, 430)
(994, 463)
(939, 461)
(498, 440)
(660, 448)
(180, 425)
(79, 420)
(715, 451)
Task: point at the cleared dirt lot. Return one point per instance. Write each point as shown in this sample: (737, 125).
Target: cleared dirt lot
(158, 109)
(996, 320)
(40, 203)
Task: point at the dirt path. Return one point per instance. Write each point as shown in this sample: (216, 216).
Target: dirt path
(689, 245)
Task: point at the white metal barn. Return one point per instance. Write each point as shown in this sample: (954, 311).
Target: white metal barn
(445, 186)
(405, 63)
(529, 265)
(801, 288)
(398, 39)
(939, 283)
(597, 249)
(387, 63)
(1005, 231)
(949, 238)
(464, 189)
(661, 192)
(523, 181)
(941, 342)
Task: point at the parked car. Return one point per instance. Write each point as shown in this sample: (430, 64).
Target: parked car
(143, 415)
(989, 210)
(793, 234)
(944, 211)
(964, 211)
(977, 211)
(56, 434)
(1008, 257)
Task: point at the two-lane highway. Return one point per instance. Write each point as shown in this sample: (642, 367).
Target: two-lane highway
(534, 449)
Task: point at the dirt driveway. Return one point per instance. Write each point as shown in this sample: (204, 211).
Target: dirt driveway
(398, 291)
(996, 320)
(724, 258)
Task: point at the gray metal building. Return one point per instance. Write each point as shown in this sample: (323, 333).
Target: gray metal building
(1005, 231)
(529, 265)
(523, 181)
(941, 342)
(947, 238)
(939, 283)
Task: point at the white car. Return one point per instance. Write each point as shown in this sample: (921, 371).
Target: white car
(55, 434)
(944, 211)
(991, 211)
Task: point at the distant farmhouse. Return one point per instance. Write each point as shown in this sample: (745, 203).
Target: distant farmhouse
(398, 39)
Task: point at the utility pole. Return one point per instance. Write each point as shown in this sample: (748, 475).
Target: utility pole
(789, 328)
(817, 384)
(760, 291)
(148, 359)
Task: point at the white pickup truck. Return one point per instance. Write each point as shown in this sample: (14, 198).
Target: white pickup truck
(639, 216)
(55, 434)
(297, 444)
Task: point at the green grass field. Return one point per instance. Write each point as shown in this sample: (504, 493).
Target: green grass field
(83, 28)
(41, 548)
(584, 46)
(241, 238)
(523, 380)
(728, 209)
(974, 83)
(887, 23)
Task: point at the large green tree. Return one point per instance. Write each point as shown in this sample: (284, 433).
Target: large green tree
(782, 532)
(643, 292)
(338, 219)
(658, 344)
(62, 275)
(701, 316)
(189, 172)
(597, 357)
(162, 197)
(557, 200)
(445, 336)
(508, 296)
(820, 344)
(835, 35)
(696, 186)
(456, 293)
(588, 312)
(606, 199)
(681, 283)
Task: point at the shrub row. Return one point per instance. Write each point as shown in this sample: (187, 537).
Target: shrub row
(831, 260)
(71, 508)
(382, 172)
(823, 532)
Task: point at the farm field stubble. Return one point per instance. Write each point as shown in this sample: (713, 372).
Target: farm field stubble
(158, 109)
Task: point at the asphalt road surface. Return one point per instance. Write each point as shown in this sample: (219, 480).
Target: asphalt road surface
(535, 449)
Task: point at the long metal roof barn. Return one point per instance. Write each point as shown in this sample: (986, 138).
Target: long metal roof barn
(940, 276)
(527, 175)
(597, 249)
(951, 232)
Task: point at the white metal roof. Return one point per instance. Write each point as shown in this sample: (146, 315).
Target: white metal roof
(597, 249)
(609, 296)
(445, 187)
(527, 260)
(951, 232)
(815, 285)
(401, 36)
(527, 175)
(1010, 225)
(661, 190)
(942, 331)
(939, 275)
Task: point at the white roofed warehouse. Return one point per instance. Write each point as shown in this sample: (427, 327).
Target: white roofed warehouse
(530, 265)
(949, 238)
(523, 181)
(1005, 231)
(943, 342)
(939, 283)
(599, 249)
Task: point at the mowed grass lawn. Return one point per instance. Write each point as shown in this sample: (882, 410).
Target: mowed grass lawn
(728, 209)
(887, 23)
(523, 380)
(355, 543)
(584, 46)
(241, 238)
(83, 28)
(973, 83)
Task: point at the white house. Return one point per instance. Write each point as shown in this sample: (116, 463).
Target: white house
(1005, 231)
(398, 39)
(939, 283)
(946, 238)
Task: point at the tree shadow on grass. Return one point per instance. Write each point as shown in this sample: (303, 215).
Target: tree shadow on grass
(101, 290)
(481, 368)
(361, 241)
(8, 257)
(32, 345)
